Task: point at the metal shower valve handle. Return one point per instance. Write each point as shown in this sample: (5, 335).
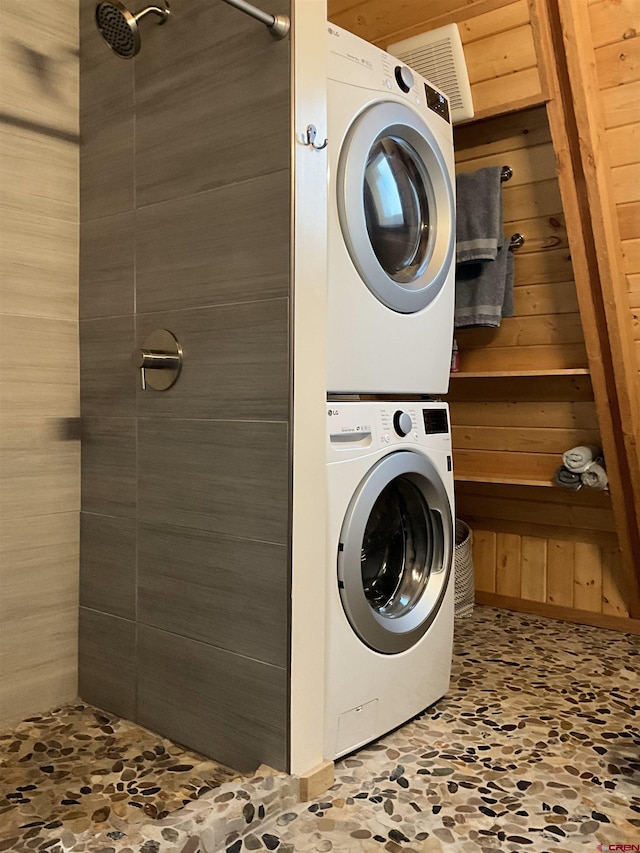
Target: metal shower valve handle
(152, 360)
(159, 360)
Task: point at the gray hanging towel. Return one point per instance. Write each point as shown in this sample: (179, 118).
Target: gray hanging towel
(484, 264)
(508, 309)
(484, 290)
(478, 215)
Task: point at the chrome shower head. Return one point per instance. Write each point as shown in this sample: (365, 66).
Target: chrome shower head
(119, 27)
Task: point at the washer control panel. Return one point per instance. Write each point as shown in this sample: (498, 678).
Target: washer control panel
(402, 423)
(353, 425)
(348, 426)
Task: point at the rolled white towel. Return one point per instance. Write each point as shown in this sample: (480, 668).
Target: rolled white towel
(595, 476)
(579, 458)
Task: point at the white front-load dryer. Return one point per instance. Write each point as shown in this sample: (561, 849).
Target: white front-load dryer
(391, 225)
(390, 576)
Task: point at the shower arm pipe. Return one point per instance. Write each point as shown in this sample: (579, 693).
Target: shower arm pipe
(161, 12)
(278, 25)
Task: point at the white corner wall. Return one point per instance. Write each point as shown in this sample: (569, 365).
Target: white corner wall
(309, 264)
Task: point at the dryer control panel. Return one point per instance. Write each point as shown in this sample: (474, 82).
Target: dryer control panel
(355, 61)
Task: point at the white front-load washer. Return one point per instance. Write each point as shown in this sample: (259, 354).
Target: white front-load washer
(390, 582)
(391, 224)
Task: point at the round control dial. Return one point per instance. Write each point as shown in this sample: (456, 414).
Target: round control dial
(402, 423)
(404, 77)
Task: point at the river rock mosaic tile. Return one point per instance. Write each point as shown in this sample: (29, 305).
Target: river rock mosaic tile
(535, 748)
(79, 770)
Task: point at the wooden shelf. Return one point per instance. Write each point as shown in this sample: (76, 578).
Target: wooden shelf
(488, 374)
(502, 481)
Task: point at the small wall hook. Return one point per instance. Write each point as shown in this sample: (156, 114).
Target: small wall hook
(310, 138)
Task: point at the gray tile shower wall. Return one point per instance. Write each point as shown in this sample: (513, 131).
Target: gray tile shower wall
(185, 223)
(106, 390)
(108, 555)
(106, 163)
(107, 661)
(222, 245)
(107, 266)
(185, 575)
(237, 361)
(224, 476)
(205, 696)
(108, 468)
(228, 96)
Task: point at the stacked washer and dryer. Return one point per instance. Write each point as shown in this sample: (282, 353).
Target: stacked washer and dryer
(390, 325)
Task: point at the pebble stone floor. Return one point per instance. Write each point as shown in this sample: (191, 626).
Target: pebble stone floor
(535, 748)
(78, 770)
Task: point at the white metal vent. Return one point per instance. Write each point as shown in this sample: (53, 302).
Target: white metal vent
(438, 56)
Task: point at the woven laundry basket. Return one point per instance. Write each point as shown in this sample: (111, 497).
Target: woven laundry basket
(463, 563)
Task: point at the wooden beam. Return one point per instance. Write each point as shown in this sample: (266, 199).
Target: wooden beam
(567, 614)
(577, 128)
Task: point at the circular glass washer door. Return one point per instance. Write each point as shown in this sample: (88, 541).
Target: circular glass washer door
(396, 206)
(395, 552)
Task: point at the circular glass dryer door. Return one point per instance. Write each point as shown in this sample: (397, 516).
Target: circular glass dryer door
(395, 554)
(396, 206)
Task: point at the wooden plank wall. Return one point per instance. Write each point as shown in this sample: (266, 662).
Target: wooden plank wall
(615, 27)
(514, 428)
(561, 572)
(496, 34)
(546, 331)
(530, 510)
(531, 544)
